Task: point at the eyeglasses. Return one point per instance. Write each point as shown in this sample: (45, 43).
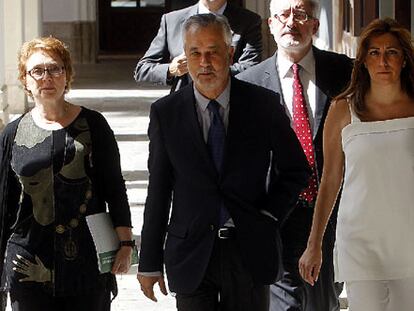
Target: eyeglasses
(38, 73)
(298, 16)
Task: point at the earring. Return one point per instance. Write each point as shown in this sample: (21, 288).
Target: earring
(404, 64)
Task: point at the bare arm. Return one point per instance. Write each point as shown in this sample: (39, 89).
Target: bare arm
(311, 260)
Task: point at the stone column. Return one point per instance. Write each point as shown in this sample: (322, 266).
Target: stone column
(2, 75)
(73, 22)
(21, 21)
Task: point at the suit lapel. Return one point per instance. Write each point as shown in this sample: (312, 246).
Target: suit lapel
(193, 128)
(321, 96)
(228, 12)
(239, 110)
(271, 78)
(321, 102)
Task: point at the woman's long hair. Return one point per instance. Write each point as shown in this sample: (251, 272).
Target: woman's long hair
(360, 79)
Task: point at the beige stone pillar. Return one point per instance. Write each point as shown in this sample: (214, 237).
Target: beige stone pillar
(2, 47)
(73, 22)
(337, 13)
(22, 21)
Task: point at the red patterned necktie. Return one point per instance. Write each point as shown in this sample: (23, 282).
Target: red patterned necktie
(303, 131)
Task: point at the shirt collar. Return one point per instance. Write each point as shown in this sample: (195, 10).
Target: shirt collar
(307, 63)
(203, 9)
(223, 99)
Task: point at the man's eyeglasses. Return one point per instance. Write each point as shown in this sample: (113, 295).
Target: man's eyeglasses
(298, 16)
(38, 73)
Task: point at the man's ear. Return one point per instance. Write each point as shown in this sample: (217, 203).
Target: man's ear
(315, 26)
(270, 21)
(231, 54)
(271, 24)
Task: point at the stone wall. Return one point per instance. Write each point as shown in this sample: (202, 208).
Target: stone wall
(80, 37)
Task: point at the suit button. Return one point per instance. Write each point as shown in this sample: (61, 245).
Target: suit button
(212, 227)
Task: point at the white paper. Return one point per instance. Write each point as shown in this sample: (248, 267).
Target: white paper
(106, 241)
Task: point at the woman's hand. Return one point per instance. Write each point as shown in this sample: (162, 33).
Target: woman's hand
(34, 272)
(122, 261)
(310, 264)
(123, 256)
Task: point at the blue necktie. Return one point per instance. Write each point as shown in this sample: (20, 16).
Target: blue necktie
(215, 142)
(216, 135)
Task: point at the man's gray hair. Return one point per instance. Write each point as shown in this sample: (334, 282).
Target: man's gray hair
(209, 19)
(313, 5)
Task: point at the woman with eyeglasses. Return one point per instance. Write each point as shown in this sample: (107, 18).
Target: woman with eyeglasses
(59, 163)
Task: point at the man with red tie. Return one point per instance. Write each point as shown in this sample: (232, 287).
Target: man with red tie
(307, 79)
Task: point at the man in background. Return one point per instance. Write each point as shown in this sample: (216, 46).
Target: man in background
(165, 62)
(307, 78)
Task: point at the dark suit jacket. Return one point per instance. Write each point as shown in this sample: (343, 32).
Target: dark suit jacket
(333, 72)
(180, 169)
(247, 40)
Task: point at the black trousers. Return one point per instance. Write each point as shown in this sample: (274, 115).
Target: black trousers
(38, 300)
(227, 285)
(292, 293)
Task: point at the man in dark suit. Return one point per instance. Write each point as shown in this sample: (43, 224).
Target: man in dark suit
(323, 75)
(227, 157)
(165, 62)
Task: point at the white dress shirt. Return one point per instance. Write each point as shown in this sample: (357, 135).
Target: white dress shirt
(204, 115)
(203, 9)
(307, 77)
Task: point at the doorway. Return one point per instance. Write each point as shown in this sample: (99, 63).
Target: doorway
(127, 27)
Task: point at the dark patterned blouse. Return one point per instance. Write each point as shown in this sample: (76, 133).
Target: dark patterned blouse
(51, 247)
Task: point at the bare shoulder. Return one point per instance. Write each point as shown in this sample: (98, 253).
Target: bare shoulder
(339, 114)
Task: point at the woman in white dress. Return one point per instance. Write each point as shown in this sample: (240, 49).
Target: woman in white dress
(369, 151)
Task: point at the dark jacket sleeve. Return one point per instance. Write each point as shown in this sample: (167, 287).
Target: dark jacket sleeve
(153, 66)
(107, 167)
(290, 171)
(10, 189)
(158, 201)
(248, 51)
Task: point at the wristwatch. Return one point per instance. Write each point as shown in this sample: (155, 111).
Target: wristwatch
(130, 243)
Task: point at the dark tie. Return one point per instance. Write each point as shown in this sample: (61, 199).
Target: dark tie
(215, 142)
(303, 131)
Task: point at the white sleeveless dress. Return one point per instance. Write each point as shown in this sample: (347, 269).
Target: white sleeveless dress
(375, 230)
